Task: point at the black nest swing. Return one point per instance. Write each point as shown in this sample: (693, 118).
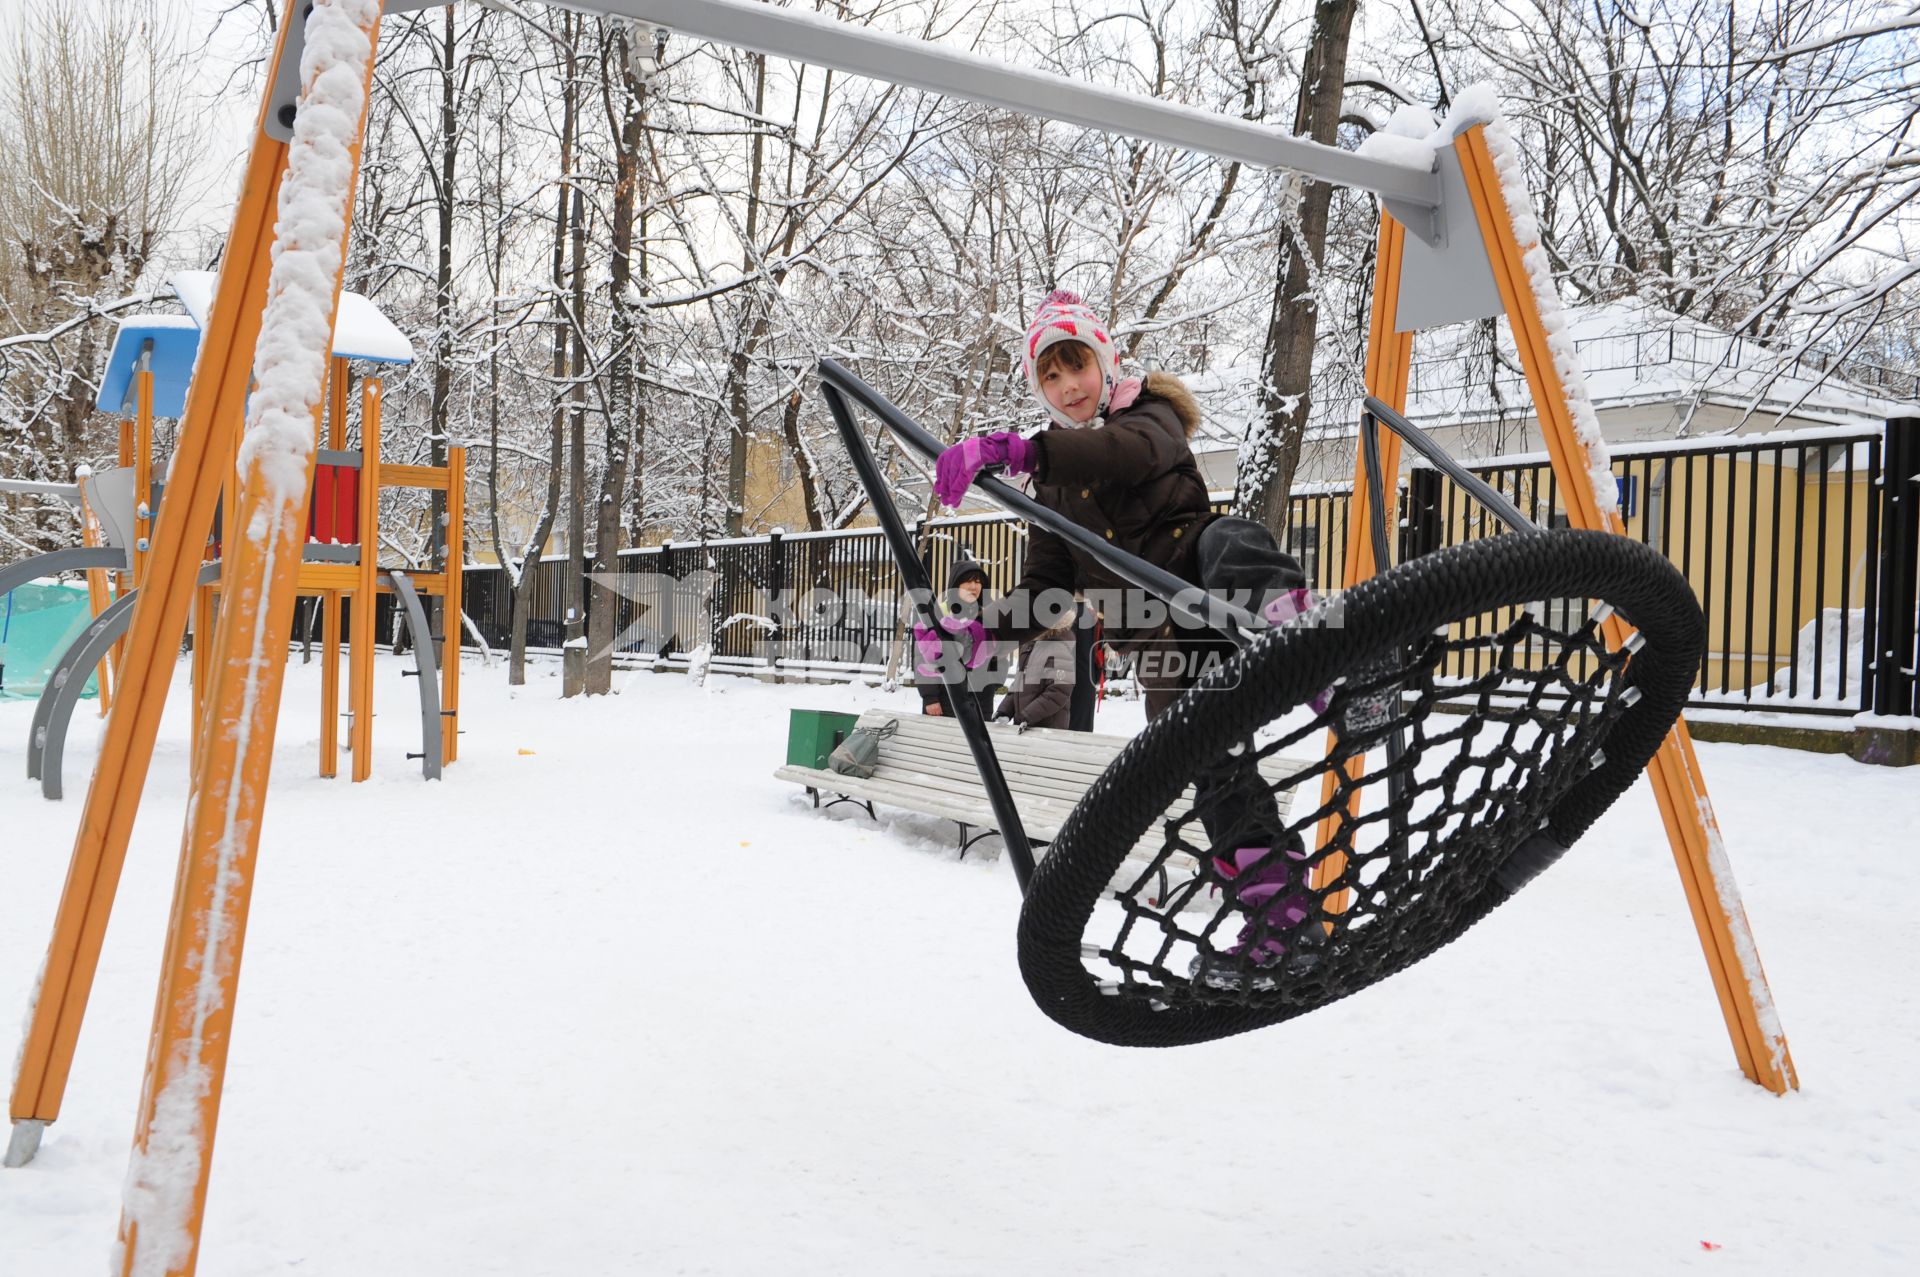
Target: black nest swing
(1480, 725)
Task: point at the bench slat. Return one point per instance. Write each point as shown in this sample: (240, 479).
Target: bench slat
(1051, 749)
(926, 766)
(954, 761)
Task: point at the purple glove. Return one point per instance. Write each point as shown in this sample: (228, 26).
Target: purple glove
(976, 645)
(953, 472)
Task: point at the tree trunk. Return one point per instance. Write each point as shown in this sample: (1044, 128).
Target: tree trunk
(1266, 477)
(802, 461)
(637, 463)
(556, 459)
(576, 580)
(622, 392)
(740, 365)
(443, 318)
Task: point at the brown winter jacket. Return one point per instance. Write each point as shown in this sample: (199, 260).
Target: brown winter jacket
(1042, 694)
(1132, 479)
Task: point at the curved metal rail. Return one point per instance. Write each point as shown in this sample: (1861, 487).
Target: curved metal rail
(53, 712)
(432, 753)
(77, 558)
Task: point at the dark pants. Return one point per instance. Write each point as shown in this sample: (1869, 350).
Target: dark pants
(930, 693)
(1238, 558)
(1086, 677)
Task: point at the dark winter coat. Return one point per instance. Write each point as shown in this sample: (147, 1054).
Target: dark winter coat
(1042, 694)
(982, 681)
(1132, 480)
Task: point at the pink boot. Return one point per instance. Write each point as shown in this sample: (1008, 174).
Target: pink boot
(1257, 876)
(1284, 609)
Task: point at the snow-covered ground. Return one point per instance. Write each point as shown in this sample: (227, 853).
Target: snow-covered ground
(610, 999)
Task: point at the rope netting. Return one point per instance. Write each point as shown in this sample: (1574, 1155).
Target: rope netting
(1478, 722)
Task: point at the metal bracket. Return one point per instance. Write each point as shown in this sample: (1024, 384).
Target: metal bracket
(284, 98)
(24, 1142)
(1446, 276)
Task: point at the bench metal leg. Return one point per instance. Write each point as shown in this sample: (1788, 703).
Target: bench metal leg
(1175, 897)
(847, 798)
(966, 843)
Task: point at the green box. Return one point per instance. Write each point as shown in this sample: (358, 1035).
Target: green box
(812, 734)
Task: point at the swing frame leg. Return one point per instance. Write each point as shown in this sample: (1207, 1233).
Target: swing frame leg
(1706, 875)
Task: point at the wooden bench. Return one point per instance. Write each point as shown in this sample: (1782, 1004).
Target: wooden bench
(926, 767)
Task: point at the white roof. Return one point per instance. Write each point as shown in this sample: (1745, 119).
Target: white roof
(1630, 351)
(360, 332)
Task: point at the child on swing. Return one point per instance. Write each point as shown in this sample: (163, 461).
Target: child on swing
(1116, 461)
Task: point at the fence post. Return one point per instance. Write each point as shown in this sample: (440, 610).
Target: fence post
(665, 602)
(1895, 650)
(710, 565)
(901, 657)
(1420, 531)
(776, 583)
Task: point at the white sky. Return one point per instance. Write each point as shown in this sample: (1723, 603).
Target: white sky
(227, 94)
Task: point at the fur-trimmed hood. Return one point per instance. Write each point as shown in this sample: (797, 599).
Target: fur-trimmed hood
(1174, 391)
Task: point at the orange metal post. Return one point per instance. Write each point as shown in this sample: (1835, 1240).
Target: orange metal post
(456, 562)
(123, 581)
(330, 599)
(216, 405)
(186, 1060)
(142, 474)
(1745, 1001)
(97, 594)
(330, 684)
(366, 594)
(1389, 357)
(204, 611)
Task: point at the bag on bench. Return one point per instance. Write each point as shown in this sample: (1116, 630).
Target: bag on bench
(859, 754)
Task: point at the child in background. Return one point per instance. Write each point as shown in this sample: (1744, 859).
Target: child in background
(966, 587)
(1042, 694)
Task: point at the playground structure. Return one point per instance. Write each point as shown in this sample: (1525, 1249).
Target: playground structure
(1452, 247)
(148, 370)
(39, 621)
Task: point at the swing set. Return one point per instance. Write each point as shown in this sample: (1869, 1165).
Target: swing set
(1426, 820)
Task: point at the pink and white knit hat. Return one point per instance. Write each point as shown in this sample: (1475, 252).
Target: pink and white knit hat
(1064, 317)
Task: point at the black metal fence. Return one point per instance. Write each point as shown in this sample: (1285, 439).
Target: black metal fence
(1783, 538)
(1803, 549)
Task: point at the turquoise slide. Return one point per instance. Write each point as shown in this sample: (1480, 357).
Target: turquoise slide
(38, 622)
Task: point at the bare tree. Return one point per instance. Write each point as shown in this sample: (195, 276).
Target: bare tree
(1293, 318)
(629, 59)
(96, 147)
(1752, 167)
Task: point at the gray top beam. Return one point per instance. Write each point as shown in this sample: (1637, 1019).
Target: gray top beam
(824, 41)
(68, 492)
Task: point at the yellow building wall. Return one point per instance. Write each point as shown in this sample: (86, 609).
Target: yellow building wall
(774, 496)
(1740, 528)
